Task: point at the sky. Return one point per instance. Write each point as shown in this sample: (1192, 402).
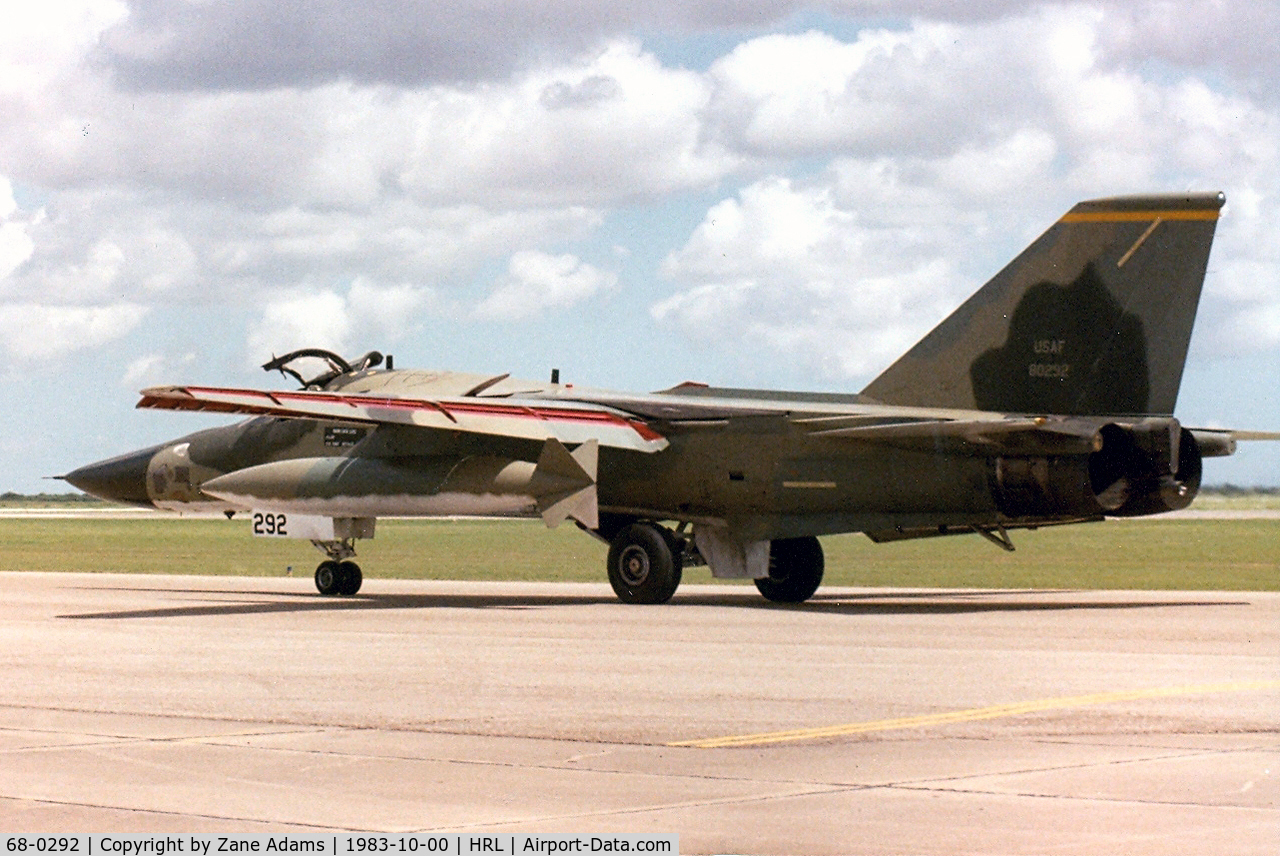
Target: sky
(779, 195)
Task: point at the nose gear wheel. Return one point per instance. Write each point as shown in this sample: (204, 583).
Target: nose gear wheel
(338, 578)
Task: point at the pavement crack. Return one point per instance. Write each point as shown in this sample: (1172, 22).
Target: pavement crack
(103, 806)
(1093, 798)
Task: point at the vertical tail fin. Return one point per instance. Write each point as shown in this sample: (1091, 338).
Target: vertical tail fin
(1094, 318)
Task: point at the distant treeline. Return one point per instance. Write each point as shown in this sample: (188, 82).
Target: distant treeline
(10, 496)
(1237, 490)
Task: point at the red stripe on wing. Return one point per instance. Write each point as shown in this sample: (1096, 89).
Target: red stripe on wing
(194, 398)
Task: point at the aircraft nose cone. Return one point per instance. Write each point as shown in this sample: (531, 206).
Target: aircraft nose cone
(119, 479)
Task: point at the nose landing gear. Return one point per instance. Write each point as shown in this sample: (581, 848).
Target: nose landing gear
(338, 575)
(338, 578)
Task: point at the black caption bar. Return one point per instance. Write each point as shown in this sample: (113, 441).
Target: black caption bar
(418, 844)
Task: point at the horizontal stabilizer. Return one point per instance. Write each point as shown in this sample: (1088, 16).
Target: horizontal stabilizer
(1219, 442)
(1256, 435)
(1038, 436)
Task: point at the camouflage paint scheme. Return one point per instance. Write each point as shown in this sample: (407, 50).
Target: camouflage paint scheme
(1046, 398)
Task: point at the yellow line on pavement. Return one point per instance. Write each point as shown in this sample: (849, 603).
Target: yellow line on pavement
(972, 715)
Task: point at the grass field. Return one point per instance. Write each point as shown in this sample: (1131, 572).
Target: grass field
(1228, 555)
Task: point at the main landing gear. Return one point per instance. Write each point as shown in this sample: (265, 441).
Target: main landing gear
(338, 574)
(646, 560)
(795, 570)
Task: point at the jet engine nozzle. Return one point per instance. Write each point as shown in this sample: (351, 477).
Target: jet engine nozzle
(1148, 468)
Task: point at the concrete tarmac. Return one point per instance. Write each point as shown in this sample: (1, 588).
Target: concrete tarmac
(866, 721)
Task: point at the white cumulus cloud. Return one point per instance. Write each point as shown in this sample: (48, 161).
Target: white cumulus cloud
(368, 316)
(790, 269)
(30, 331)
(16, 245)
(303, 319)
(536, 282)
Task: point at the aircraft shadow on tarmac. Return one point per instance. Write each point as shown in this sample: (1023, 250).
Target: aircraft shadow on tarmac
(887, 603)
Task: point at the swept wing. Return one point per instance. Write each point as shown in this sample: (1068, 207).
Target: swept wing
(567, 422)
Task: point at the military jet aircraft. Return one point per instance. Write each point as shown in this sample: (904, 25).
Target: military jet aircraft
(1047, 398)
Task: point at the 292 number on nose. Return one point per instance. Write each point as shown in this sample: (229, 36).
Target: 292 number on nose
(270, 524)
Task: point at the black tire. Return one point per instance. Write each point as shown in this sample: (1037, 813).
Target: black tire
(795, 570)
(644, 566)
(350, 578)
(328, 578)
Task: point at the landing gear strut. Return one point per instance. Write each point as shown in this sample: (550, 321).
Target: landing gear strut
(338, 574)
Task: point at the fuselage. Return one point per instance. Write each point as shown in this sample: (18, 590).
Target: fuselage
(1047, 397)
(763, 472)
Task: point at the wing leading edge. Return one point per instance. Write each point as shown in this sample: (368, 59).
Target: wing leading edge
(570, 423)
